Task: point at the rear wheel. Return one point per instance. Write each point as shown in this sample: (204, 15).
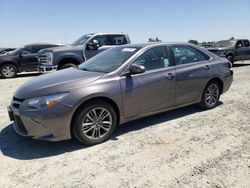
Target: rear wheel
(211, 96)
(8, 71)
(94, 123)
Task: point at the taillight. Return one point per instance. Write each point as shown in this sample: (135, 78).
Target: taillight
(229, 65)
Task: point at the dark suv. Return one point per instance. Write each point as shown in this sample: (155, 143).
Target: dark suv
(79, 51)
(23, 59)
(233, 50)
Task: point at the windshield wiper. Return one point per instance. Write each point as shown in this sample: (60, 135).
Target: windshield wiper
(85, 69)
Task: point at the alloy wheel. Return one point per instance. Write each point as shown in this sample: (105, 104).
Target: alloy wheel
(8, 71)
(97, 123)
(212, 95)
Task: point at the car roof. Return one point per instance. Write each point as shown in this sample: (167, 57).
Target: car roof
(39, 44)
(142, 45)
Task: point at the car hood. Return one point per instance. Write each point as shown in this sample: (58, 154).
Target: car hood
(57, 82)
(217, 48)
(62, 49)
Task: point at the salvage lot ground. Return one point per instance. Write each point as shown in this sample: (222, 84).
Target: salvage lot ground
(182, 148)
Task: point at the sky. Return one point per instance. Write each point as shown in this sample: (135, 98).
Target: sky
(63, 21)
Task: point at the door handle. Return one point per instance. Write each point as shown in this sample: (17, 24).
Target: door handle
(206, 67)
(170, 76)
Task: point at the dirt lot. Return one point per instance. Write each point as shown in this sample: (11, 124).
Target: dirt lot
(182, 148)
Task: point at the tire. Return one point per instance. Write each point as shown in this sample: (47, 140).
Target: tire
(8, 71)
(210, 96)
(67, 65)
(230, 58)
(88, 129)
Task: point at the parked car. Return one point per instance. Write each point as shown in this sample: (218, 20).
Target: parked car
(6, 50)
(233, 50)
(23, 59)
(79, 51)
(119, 85)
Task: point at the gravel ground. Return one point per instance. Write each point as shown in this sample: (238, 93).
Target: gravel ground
(187, 147)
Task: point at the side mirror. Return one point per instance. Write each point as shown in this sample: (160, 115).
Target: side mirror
(94, 45)
(136, 69)
(20, 54)
(239, 46)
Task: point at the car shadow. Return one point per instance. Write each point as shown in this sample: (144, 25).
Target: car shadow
(18, 147)
(28, 74)
(241, 64)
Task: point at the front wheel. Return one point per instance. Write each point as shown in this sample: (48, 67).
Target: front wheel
(94, 123)
(210, 96)
(8, 71)
(67, 65)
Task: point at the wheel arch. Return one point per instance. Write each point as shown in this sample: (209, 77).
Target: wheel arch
(11, 63)
(68, 59)
(219, 81)
(95, 99)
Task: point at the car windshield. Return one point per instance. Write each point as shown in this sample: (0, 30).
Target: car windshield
(109, 60)
(81, 40)
(224, 43)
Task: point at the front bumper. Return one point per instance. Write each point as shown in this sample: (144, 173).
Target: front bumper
(49, 124)
(42, 68)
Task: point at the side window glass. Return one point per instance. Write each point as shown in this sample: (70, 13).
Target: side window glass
(186, 54)
(155, 58)
(27, 50)
(118, 39)
(246, 43)
(239, 44)
(102, 39)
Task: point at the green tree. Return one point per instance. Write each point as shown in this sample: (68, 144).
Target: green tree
(193, 42)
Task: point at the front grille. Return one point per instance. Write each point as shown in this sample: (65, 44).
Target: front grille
(42, 58)
(19, 124)
(18, 99)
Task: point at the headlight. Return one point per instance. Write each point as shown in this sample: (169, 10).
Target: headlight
(48, 58)
(43, 102)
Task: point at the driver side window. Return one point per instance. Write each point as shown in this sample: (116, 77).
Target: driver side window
(154, 58)
(102, 39)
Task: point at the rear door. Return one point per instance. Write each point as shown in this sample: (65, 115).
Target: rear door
(192, 73)
(153, 90)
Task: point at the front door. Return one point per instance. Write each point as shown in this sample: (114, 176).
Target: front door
(150, 91)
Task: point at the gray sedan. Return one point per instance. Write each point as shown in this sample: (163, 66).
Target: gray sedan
(117, 86)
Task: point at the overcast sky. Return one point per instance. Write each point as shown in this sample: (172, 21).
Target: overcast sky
(60, 21)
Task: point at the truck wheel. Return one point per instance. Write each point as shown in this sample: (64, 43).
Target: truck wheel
(230, 58)
(210, 96)
(8, 71)
(94, 123)
(67, 65)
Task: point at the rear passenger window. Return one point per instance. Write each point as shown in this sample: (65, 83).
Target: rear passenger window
(187, 54)
(246, 43)
(118, 39)
(155, 58)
